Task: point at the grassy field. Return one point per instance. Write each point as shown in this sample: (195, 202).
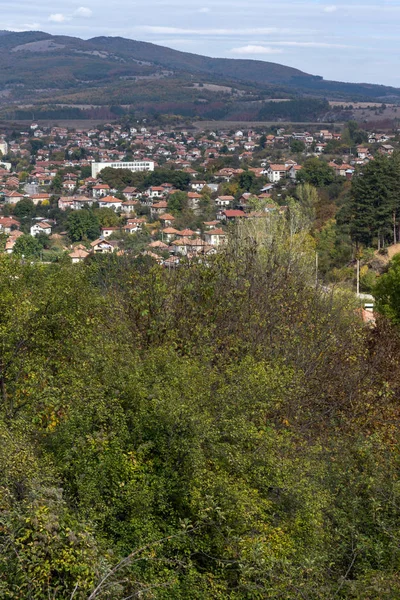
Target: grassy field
(255, 124)
(70, 123)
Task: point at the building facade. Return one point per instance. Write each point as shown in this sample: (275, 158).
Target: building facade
(136, 165)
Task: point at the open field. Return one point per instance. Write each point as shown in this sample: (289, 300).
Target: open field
(357, 105)
(70, 123)
(247, 124)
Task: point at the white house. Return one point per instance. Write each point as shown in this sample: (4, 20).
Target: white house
(41, 227)
(194, 200)
(277, 172)
(78, 254)
(215, 237)
(107, 231)
(12, 197)
(155, 192)
(100, 190)
(224, 201)
(100, 246)
(110, 202)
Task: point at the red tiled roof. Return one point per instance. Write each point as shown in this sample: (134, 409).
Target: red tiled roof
(232, 213)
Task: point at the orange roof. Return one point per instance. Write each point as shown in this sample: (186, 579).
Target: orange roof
(109, 199)
(215, 232)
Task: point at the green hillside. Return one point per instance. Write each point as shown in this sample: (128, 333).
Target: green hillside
(38, 68)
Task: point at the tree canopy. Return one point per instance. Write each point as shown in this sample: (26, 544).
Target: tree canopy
(317, 172)
(83, 224)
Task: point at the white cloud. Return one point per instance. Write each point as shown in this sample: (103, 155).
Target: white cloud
(310, 44)
(240, 31)
(204, 10)
(330, 9)
(82, 11)
(58, 18)
(32, 26)
(256, 50)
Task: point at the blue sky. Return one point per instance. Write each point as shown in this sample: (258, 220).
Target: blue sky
(354, 41)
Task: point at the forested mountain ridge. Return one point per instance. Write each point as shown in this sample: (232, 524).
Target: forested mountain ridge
(41, 68)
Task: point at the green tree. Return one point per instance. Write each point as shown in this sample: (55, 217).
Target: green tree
(56, 184)
(317, 172)
(177, 202)
(387, 291)
(247, 180)
(373, 210)
(107, 217)
(82, 224)
(27, 246)
(307, 195)
(24, 208)
(297, 146)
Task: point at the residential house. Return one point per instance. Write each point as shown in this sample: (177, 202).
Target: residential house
(129, 206)
(277, 172)
(8, 224)
(100, 190)
(215, 237)
(78, 254)
(195, 246)
(12, 197)
(130, 193)
(185, 233)
(134, 225)
(210, 224)
(230, 215)
(158, 245)
(386, 149)
(101, 246)
(64, 203)
(107, 231)
(69, 185)
(224, 201)
(180, 246)
(197, 186)
(172, 262)
(40, 198)
(158, 209)
(166, 219)
(110, 202)
(12, 238)
(80, 202)
(294, 169)
(155, 192)
(194, 200)
(362, 152)
(169, 234)
(40, 227)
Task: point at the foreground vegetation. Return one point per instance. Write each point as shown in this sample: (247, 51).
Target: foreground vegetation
(223, 430)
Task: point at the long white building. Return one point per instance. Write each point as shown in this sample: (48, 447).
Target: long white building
(136, 165)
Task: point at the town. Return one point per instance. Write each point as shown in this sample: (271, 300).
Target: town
(200, 301)
(167, 195)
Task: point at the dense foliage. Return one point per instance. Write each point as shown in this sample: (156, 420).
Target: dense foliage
(373, 210)
(222, 430)
(302, 109)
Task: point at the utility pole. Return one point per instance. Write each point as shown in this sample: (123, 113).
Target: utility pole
(358, 277)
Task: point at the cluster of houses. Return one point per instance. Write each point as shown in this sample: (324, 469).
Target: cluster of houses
(46, 155)
(10, 227)
(168, 251)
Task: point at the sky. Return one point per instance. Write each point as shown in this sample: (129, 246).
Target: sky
(353, 40)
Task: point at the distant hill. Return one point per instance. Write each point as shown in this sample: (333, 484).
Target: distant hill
(61, 73)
